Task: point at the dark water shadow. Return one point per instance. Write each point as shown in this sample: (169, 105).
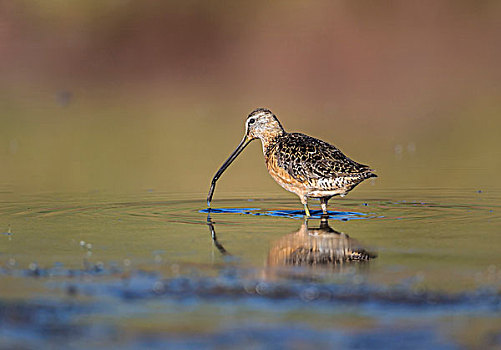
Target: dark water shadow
(295, 214)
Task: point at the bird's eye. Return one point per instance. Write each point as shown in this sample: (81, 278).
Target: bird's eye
(251, 121)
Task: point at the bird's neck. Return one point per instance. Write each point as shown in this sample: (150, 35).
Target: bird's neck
(270, 141)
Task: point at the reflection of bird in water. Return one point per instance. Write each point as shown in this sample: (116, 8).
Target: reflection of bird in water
(316, 246)
(310, 246)
(212, 230)
(301, 164)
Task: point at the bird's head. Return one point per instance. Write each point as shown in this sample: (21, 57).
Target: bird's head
(262, 124)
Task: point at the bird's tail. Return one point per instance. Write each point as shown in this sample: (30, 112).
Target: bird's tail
(368, 174)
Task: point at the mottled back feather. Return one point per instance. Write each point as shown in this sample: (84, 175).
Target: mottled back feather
(308, 159)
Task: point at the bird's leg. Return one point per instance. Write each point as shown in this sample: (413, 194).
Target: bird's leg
(323, 204)
(306, 210)
(304, 200)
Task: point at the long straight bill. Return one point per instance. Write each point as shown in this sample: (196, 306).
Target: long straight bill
(245, 141)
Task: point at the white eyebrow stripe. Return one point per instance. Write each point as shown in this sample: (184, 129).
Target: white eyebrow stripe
(257, 115)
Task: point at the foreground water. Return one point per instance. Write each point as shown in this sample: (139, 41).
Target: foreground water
(405, 269)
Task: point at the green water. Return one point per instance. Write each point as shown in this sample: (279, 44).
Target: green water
(147, 270)
(105, 239)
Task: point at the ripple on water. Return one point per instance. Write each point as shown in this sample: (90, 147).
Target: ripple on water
(413, 205)
(295, 214)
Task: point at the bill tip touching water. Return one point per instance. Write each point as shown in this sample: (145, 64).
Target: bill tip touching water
(301, 164)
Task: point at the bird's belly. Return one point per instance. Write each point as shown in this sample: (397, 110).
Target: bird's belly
(325, 193)
(325, 187)
(284, 179)
(333, 186)
(289, 183)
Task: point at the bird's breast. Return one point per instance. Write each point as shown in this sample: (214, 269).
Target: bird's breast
(282, 176)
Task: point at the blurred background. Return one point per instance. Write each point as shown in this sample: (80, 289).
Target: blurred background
(127, 96)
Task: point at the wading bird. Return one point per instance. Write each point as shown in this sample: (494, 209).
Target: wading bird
(306, 166)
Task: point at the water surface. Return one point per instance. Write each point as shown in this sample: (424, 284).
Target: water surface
(419, 269)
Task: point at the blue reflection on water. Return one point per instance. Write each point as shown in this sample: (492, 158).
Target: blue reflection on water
(296, 214)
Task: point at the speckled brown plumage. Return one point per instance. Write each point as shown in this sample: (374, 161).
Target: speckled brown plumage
(299, 163)
(319, 166)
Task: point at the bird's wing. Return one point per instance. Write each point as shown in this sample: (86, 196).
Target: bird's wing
(306, 158)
